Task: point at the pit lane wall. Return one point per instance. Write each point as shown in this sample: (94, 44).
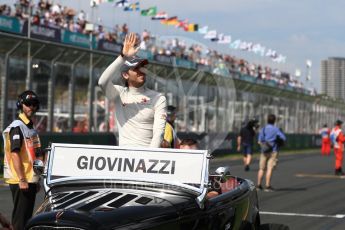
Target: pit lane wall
(294, 141)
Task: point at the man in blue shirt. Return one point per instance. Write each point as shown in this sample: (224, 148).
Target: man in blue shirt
(270, 139)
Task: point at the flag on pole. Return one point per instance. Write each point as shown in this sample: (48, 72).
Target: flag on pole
(217, 38)
(203, 30)
(256, 48)
(211, 34)
(235, 44)
(94, 3)
(152, 11)
(122, 3)
(172, 21)
(243, 45)
(262, 50)
(160, 16)
(279, 58)
(132, 7)
(192, 27)
(182, 24)
(224, 39)
(298, 73)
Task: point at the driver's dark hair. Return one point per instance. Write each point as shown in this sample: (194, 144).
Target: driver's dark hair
(124, 81)
(188, 142)
(271, 119)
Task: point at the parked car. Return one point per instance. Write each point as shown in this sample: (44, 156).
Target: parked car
(107, 187)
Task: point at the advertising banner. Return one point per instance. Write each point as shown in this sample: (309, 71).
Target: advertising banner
(203, 67)
(9, 24)
(77, 39)
(185, 63)
(163, 59)
(145, 54)
(43, 32)
(109, 46)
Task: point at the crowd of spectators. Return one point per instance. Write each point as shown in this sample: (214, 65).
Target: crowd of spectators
(54, 15)
(222, 64)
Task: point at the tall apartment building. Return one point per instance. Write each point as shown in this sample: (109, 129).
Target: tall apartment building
(333, 77)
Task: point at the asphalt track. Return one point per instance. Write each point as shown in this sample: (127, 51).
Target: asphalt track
(308, 196)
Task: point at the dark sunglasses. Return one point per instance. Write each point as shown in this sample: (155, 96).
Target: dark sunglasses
(31, 103)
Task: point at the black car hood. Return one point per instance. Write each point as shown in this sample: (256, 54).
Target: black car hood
(109, 208)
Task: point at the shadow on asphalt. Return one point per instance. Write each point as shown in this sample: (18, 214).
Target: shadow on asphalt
(289, 189)
(273, 226)
(286, 190)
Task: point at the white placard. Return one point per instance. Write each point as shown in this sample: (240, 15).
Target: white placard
(70, 161)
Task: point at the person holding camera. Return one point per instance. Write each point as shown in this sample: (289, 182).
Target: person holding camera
(271, 138)
(245, 141)
(22, 147)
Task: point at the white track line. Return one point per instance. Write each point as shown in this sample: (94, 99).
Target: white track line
(319, 176)
(338, 216)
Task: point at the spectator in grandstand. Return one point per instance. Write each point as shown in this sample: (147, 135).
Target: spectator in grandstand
(24, 5)
(326, 142)
(140, 112)
(245, 141)
(80, 126)
(22, 147)
(270, 139)
(5, 10)
(170, 139)
(124, 32)
(188, 143)
(337, 138)
(36, 19)
(57, 16)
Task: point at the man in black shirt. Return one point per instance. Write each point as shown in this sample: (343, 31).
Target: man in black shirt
(245, 141)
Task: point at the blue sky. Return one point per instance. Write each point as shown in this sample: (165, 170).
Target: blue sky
(297, 29)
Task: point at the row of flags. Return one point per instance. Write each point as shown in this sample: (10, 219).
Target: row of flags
(241, 45)
(119, 3)
(169, 21)
(211, 35)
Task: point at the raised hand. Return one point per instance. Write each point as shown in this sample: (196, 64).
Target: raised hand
(129, 48)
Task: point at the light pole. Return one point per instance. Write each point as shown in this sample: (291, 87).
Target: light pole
(28, 81)
(90, 87)
(308, 72)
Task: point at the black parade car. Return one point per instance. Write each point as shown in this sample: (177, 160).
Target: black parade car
(106, 187)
